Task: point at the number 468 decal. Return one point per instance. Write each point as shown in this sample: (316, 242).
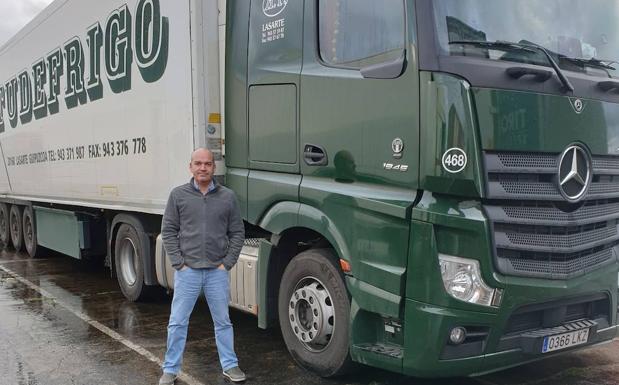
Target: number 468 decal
(454, 160)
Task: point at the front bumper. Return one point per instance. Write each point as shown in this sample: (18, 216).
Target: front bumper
(490, 348)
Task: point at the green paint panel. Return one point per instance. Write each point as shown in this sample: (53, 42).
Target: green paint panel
(356, 120)
(280, 217)
(59, 230)
(275, 44)
(236, 179)
(273, 138)
(431, 324)
(520, 121)
(425, 333)
(374, 299)
(237, 27)
(447, 115)
(268, 188)
(377, 244)
(449, 226)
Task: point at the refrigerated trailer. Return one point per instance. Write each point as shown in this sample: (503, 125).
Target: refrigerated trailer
(428, 187)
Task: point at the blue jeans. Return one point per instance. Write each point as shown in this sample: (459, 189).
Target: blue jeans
(187, 287)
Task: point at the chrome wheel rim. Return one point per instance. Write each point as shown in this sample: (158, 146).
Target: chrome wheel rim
(128, 261)
(311, 314)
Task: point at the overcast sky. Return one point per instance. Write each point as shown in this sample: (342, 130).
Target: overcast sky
(17, 13)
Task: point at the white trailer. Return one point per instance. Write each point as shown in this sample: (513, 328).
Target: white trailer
(98, 116)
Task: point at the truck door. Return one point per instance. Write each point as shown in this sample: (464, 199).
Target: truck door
(275, 57)
(359, 93)
(360, 130)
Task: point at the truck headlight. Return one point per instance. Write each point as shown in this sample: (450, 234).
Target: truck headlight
(462, 280)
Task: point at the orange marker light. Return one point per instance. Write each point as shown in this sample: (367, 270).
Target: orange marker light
(345, 266)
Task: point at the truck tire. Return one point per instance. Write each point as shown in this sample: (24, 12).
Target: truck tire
(15, 224)
(314, 312)
(5, 231)
(128, 258)
(30, 232)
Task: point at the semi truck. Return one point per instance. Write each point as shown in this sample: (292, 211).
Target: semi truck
(427, 187)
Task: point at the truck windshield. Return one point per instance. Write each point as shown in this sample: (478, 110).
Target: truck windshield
(580, 35)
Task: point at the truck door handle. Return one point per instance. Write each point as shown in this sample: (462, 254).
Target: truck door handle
(314, 155)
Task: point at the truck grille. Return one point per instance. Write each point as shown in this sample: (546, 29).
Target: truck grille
(536, 232)
(538, 316)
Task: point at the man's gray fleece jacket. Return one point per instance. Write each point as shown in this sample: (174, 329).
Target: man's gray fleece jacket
(202, 231)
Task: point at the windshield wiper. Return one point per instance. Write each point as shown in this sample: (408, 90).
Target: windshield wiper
(498, 44)
(528, 47)
(593, 62)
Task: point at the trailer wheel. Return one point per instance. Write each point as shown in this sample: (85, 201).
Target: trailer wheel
(129, 264)
(15, 224)
(5, 232)
(30, 232)
(314, 312)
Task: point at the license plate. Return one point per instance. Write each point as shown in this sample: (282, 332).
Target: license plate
(565, 340)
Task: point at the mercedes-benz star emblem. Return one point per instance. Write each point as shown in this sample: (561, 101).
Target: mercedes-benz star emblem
(574, 173)
(577, 104)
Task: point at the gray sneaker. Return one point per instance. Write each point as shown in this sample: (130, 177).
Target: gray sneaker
(235, 374)
(167, 379)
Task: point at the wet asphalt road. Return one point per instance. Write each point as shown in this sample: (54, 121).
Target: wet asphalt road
(64, 321)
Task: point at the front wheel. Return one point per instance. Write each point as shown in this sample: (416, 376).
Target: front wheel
(314, 313)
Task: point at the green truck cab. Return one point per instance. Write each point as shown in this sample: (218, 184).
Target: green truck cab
(434, 184)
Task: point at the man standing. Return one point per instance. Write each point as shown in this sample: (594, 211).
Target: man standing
(203, 235)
